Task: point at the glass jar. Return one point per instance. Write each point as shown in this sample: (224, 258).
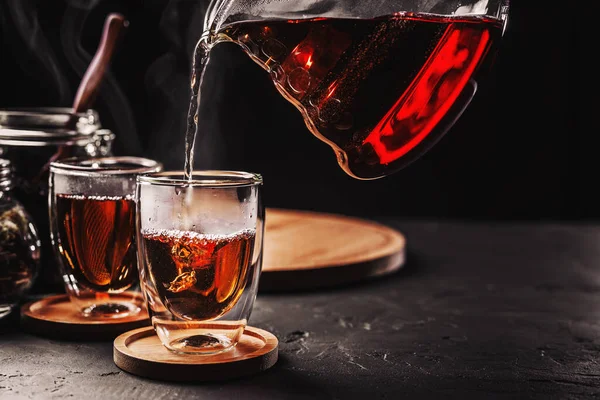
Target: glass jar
(19, 245)
(32, 137)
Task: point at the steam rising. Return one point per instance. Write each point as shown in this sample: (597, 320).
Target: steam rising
(167, 82)
(20, 22)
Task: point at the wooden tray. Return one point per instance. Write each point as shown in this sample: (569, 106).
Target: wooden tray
(141, 353)
(55, 317)
(309, 250)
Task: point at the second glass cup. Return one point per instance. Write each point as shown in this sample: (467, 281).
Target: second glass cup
(200, 252)
(92, 227)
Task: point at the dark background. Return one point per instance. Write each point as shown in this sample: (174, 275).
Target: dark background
(516, 153)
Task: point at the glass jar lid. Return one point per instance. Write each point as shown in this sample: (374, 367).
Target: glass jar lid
(46, 126)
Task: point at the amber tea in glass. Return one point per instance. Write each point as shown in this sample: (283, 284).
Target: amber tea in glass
(92, 216)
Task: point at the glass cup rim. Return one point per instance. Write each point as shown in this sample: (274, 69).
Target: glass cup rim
(85, 166)
(202, 178)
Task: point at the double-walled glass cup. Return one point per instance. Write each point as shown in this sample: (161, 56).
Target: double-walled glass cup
(200, 254)
(92, 225)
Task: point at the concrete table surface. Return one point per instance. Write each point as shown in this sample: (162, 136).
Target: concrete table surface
(481, 310)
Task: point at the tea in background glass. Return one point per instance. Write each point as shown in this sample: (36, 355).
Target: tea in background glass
(30, 138)
(92, 219)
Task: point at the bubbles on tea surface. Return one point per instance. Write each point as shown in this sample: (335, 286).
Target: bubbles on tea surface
(96, 198)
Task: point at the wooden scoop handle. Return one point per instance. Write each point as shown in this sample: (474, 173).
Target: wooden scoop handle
(114, 26)
(90, 84)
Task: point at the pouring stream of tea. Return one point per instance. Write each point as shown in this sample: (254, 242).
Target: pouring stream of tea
(200, 61)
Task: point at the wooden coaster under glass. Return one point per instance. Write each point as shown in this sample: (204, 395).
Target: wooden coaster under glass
(57, 317)
(140, 352)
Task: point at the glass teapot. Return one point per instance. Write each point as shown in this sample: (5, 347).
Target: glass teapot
(380, 82)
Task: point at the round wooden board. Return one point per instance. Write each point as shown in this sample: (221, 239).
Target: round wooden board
(55, 317)
(309, 250)
(140, 352)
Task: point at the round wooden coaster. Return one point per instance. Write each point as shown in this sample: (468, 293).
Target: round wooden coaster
(140, 352)
(309, 250)
(56, 317)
